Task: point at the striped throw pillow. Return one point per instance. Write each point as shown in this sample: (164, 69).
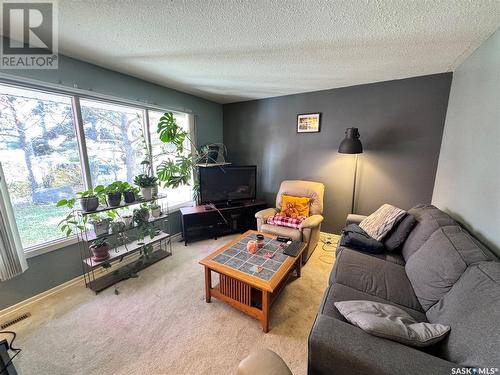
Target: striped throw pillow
(379, 223)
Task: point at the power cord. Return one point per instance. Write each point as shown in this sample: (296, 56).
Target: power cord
(218, 211)
(329, 248)
(16, 350)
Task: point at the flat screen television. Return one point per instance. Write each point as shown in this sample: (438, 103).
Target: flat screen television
(227, 183)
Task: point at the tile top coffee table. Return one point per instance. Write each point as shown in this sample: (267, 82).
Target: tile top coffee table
(250, 282)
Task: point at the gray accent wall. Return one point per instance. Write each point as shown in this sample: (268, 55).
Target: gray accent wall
(468, 176)
(401, 125)
(54, 268)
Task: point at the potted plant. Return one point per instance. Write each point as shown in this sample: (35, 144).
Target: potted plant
(155, 209)
(127, 220)
(89, 199)
(100, 249)
(100, 224)
(129, 192)
(114, 193)
(144, 227)
(141, 215)
(146, 183)
(117, 226)
(184, 157)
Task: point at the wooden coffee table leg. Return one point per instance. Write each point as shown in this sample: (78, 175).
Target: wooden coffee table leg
(265, 311)
(208, 283)
(298, 265)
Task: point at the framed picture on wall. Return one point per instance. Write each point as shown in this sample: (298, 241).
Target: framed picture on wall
(308, 122)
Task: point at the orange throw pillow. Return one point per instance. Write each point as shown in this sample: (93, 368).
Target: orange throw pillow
(294, 207)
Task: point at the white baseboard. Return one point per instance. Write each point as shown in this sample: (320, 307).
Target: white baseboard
(21, 307)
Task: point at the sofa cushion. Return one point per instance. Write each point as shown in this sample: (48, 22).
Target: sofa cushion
(374, 276)
(391, 322)
(277, 230)
(389, 257)
(379, 223)
(397, 236)
(472, 309)
(440, 262)
(338, 292)
(429, 219)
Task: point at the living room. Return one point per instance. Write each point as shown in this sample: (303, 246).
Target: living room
(270, 187)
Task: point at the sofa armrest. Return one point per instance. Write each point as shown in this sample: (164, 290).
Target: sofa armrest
(354, 219)
(341, 348)
(264, 214)
(311, 222)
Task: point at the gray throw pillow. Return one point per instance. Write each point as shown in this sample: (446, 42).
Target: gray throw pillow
(398, 234)
(390, 322)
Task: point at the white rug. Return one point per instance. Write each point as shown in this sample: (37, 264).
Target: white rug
(159, 323)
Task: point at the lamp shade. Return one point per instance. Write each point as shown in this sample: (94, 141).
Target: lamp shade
(351, 143)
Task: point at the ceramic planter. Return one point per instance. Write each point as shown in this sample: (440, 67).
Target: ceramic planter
(114, 199)
(100, 227)
(129, 196)
(89, 204)
(100, 253)
(147, 193)
(127, 220)
(156, 212)
(212, 154)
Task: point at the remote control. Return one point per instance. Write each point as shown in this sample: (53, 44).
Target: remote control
(283, 239)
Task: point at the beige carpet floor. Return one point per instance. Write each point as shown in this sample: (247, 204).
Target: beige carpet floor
(159, 323)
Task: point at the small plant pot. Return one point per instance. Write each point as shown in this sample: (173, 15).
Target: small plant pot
(114, 199)
(100, 253)
(100, 227)
(89, 204)
(147, 193)
(129, 197)
(213, 154)
(127, 220)
(156, 212)
(140, 215)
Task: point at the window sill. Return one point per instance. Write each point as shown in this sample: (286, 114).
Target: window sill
(47, 247)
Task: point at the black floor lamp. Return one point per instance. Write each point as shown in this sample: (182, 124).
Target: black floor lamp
(352, 145)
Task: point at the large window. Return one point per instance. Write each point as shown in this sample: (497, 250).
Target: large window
(41, 157)
(39, 154)
(115, 142)
(160, 153)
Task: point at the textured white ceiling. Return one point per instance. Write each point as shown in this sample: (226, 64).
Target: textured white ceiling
(236, 50)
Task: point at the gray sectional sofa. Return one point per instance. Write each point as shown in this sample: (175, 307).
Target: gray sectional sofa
(441, 275)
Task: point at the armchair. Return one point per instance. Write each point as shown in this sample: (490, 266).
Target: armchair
(309, 230)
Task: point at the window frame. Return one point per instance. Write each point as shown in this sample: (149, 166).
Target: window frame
(75, 96)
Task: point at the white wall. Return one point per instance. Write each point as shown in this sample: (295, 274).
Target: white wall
(468, 177)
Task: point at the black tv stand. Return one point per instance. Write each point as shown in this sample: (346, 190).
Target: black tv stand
(229, 204)
(200, 222)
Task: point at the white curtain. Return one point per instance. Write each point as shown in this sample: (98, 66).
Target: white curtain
(12, 258)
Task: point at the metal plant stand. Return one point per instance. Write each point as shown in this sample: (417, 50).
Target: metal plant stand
(126, 254)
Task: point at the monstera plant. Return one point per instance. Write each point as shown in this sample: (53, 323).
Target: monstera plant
(183, 157)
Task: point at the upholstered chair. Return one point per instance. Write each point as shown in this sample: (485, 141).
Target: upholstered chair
(309, 229)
